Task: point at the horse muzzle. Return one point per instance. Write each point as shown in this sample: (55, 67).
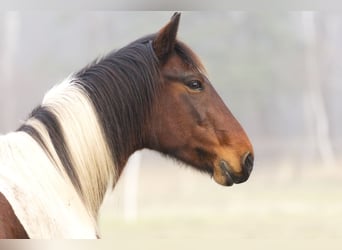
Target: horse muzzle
(228, 177)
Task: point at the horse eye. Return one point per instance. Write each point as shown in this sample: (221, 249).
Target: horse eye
(195, 85)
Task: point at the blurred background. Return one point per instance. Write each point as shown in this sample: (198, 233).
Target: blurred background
(280, 74)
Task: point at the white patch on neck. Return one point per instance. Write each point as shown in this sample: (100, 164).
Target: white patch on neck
(36, 183)
(47, 205)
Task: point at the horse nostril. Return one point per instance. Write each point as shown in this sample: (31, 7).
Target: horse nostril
(248, 163)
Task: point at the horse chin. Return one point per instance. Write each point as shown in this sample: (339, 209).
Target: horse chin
(223, 180)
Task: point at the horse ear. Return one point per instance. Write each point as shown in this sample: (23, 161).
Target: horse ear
(165, 40)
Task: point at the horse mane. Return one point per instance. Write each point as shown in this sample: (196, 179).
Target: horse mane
(121, 89)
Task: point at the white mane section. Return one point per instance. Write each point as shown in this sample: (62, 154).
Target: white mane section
(41, 194)
(85, 140)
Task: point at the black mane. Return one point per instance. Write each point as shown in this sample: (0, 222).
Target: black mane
(122, 87)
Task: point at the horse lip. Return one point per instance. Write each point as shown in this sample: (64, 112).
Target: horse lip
(225, 170)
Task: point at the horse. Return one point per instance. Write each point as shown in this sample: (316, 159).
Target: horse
(153, 93)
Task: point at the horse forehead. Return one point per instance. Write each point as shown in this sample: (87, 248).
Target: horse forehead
(175, 64)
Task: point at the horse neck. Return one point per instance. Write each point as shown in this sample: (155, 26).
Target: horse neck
(86, 158)
(102, 114)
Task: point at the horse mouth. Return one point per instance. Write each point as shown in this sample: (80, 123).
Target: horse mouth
(228, 179)
(225, 176)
